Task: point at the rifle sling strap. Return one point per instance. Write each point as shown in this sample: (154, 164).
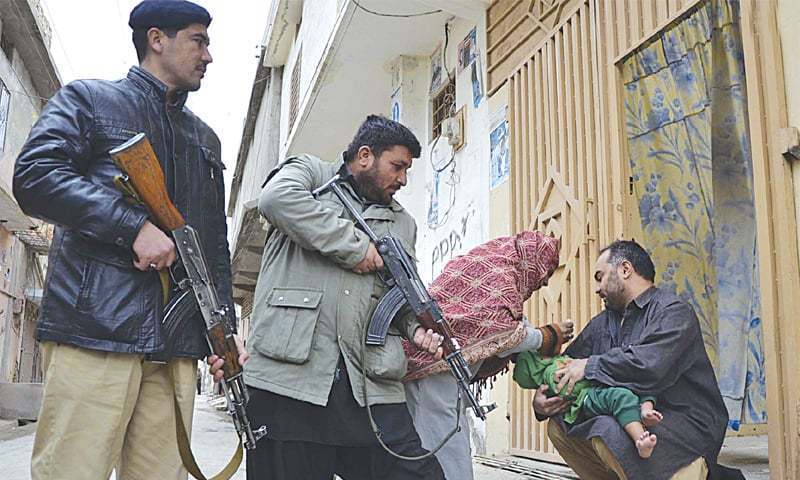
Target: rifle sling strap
(185, 449)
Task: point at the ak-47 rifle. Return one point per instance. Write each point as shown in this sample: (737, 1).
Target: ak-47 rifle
(142, 176)
(406, 288)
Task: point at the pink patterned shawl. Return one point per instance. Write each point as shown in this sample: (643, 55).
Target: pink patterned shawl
(481, 295)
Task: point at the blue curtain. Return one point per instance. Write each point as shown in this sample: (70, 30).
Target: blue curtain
(689, 151)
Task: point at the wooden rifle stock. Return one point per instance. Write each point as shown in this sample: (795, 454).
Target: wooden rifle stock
(139, 162)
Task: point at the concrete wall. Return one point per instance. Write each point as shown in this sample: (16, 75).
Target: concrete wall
(264, 147)
(313, 36)
(467, 220)
(16, 331)
(479, 212)
(23, 111)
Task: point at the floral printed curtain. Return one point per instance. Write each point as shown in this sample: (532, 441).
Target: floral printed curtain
(689, 152)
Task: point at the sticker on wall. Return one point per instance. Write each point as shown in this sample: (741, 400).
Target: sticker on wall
(498, 145)
(433, 204)
(395, 112)
(436, 69)
(477, 82)
(467, 50)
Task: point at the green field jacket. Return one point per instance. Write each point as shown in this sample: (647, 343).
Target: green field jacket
(309, 306)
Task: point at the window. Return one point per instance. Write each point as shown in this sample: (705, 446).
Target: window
(443, 106)
(5, 105)
(294, 95)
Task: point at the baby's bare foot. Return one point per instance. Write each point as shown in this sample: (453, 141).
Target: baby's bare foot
(645, 444)
(651, 417)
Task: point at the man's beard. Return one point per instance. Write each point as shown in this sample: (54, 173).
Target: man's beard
(614, 294)
(367, 182)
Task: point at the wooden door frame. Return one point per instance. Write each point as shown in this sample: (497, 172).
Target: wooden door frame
(776, 222)
(774, 200)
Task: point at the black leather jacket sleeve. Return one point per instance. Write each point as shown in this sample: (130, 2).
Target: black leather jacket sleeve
(51, 179)
(220, 255)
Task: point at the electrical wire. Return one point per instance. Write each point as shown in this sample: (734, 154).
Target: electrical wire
(395, 15)
(454, 178)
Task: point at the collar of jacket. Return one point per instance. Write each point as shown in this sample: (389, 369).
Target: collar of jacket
(350, 184)
(153, 86)
(644, 298)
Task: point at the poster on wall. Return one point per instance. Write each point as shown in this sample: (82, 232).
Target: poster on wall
(477, 82)
(436, 69)
(433, 203)
(498, 149)
(467, 50)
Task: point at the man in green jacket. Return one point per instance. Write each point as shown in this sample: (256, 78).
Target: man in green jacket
(310, 376)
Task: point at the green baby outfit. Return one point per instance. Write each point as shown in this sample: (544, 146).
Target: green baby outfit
(531, 371)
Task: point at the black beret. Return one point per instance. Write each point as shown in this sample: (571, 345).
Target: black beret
(167, 14)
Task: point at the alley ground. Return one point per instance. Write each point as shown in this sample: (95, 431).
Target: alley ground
(213, 442)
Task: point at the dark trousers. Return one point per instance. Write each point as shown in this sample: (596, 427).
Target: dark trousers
(302, 447)
(275, 460)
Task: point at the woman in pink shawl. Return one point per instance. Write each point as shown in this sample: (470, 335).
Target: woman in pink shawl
(481, 295)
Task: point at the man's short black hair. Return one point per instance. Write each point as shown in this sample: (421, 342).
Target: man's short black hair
(381, 134)
(634, 253)
(140, 39)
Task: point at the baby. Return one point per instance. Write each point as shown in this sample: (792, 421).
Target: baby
(590, 399)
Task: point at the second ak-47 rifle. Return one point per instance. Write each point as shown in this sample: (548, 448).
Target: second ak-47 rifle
(406, 288)
(143, 178)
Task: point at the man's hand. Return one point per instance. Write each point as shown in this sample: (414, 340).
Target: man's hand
(547, 407)
(372, 261)
(153, 248)
(571, 373)
(215, 363)
(428, 341)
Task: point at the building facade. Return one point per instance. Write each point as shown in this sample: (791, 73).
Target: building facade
(28, 78)
(666, 121)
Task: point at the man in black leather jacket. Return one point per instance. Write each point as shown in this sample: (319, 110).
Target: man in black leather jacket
(105, 405)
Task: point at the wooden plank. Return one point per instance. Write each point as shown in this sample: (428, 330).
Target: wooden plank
(649, 14)
(593, 147)
(569, 100)
(516, 176)
(525, 201)
(560, 124)
(583, 87)
(662, 10)
(635, 19)
(766, 105)
(531, 41)
(687, 10)
(674, 7)
(621, 22)
(549, 109)
(513, 133)
(543, 456)
(502, 34)
(541, 159)
(581, 105)
(530, 135)
(498, 12)
(602, 49)
(520, 106)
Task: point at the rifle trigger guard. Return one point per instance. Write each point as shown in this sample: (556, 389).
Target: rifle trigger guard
(387, 308)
